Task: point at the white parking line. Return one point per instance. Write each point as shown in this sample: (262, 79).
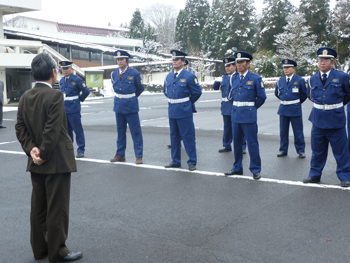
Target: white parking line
(148, 166)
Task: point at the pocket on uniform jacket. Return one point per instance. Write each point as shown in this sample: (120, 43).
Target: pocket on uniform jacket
(69, 146)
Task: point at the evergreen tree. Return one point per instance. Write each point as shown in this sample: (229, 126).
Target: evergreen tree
(136, 25)
(181, 28)
(272, 22)
(298, 43)
(341, 29)
(317, 14)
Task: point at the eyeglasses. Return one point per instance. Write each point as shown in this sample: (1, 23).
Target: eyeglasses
(324, 60)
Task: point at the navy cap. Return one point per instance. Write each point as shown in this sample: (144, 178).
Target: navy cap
(229, 61)
(289, 63)
(241, 55)
(326, 52)
(121, 54)
(65, 64)
(186, 62)
(177, 54)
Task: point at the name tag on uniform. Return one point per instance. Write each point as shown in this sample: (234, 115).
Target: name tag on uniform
(249, 83)
(183, 80)
(74, 83)
(295, 90)
(130, 77)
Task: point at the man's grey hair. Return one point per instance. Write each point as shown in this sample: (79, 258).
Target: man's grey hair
(42, 66)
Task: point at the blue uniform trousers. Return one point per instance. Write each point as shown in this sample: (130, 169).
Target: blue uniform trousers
(320, 138)
(297, 125)
(249, 131)
(183, 129)
(228, 134)
(74, 124)
(133, 121)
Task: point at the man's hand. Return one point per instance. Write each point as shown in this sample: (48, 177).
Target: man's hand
(35, 154)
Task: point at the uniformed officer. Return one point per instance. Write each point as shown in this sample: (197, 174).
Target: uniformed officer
(182, 89)
(291, 91)
(75, 91)
(127, 86)
(226, 104)
(1, 102)
(248, 95)
(329, 90)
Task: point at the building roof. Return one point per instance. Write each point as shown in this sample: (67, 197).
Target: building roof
(86, 30)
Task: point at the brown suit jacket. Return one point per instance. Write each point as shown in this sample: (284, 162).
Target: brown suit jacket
(42, 123)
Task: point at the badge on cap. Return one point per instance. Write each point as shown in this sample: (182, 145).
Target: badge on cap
(226, 60)
(63, 63)
(325, 52)
(174, 54)
(118, 53)
(286, 61)
(239, 55)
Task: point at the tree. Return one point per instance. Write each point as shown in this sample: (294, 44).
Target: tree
(181, 29)
(273, 21)
(266, 64)
(341, 30)
(201, 66)
(137, 25)
(163, 18)
(317, 14)
(298, 43)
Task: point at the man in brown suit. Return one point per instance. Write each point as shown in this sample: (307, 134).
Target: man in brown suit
(42, 131)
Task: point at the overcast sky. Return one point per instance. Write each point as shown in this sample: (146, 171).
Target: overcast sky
(100, 13)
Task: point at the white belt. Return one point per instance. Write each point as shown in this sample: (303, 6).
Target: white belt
(70, 98)
(328, 107)
(289, 102)
(243, 103)
(125, 96)
(175, 101)
(225, 99)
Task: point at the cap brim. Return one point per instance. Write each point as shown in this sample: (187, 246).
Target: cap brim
(288, 65)
(242, 59)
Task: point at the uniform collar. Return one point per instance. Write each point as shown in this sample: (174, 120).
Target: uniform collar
(321, 73)
(178, 72)
(290, 78)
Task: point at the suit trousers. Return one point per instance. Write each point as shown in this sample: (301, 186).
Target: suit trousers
(49, 216)
(183, 129)
(320, 139)
(297, 126)
(249, 131)
(133, 121)
(74, 124)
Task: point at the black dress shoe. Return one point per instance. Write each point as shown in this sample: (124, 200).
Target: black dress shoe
(192, 167)
(169, 146)
(72, 256)
(281, 154)
(224, 150)
(79, 155)
(302, 155)
(1, 126)
(171, 165)
(256, 176)
(345, 183)
(310, 180)
(232, 172)
(244, 151)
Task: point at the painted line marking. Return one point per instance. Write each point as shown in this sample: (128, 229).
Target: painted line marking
(1, 143)
(148, 166)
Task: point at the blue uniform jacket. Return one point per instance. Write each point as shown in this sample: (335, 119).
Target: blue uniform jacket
(71, 88)
(225, 85)
(184, 86)
(336, 90)
(251, 89)
(131, 82)
(296, 90)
